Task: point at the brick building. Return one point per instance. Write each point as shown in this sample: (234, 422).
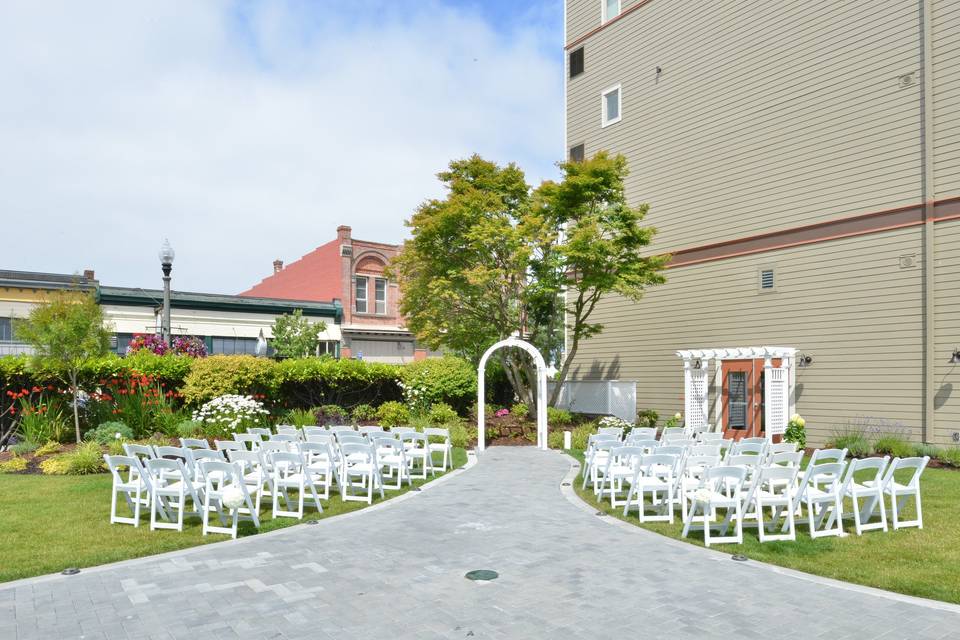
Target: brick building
(350, 271)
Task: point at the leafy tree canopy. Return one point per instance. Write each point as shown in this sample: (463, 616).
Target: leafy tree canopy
(295, 336)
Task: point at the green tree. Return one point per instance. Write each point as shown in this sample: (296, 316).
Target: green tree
(495, 258)
(66, 330)
(295, 336)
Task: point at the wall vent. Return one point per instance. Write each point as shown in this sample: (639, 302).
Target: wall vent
(908, 261)
(766, 279)
(907, 80)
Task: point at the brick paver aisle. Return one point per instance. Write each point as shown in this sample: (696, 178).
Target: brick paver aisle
(398, 572)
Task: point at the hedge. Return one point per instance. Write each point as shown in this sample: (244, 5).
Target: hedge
(295, 383)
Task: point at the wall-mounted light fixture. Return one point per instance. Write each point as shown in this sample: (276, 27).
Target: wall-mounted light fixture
(955, 358)
(804, 361)
(698, 364)
(659, 71)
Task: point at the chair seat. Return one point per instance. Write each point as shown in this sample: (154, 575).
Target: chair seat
(814, 494)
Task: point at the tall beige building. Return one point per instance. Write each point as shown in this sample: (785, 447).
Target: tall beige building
(801, 159)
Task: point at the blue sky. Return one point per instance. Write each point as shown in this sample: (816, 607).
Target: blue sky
(248, 130)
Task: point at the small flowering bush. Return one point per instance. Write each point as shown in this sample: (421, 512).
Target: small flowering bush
(190, 346)
(137, 400)
(613, 421)
(416, 398)
(229, 413)
(150, 341)
(674, 421)
(393, 414)
(796, 431)
(499, 413)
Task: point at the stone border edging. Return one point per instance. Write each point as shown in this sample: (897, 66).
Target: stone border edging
(753, 565)
(132, 562)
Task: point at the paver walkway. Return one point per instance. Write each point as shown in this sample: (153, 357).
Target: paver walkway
(398, 572)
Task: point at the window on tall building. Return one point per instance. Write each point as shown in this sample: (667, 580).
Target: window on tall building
(577, 152)
(232, 346)
(610, 100)
(380, 292)
(576, 62)
(360, 297)
(611, 9)
(6, 330)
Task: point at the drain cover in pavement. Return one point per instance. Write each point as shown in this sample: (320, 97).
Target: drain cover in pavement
(482, 574)
(739, 557)
(70, 571)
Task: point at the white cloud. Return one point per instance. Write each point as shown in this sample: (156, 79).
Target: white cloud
(248, 133)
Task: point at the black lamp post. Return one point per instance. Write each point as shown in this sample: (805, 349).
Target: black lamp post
(166, 263)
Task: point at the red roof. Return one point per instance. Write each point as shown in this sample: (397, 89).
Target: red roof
(315, 276)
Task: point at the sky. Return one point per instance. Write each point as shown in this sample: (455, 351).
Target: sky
(246, 131)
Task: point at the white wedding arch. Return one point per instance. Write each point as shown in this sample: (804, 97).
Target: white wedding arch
(541, 391)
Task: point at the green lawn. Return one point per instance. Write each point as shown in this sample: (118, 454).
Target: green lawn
(923, 563)
(48, 523)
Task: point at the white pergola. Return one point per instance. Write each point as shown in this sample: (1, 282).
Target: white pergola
(779, 385)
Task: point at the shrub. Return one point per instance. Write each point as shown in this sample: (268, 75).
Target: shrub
(520, 410)
(462, 435)
(189, 428)
(24, 446)
(796, 431)
(950, 456)
(226, 414)
(318, 381)
(559, 417)
(419, 421)
(13, 465)
(448, 379)
(218, 376)
(85, 459)
(893, 446)
(443, 414)
(108, 432)
(115, 448)
(329, 414)
(854, 442)
(363, 412)
(647, 418)
(555, 439)
(299, 418)
(393, 414)
(933, 451)
(49, 448)
(580, 435)
(44, 420)
(166, 421)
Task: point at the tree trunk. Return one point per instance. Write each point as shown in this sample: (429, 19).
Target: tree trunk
(76, 411)
(564, 370)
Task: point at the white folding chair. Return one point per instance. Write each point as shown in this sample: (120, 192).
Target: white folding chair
(139, 451)
(709, 436)
(642, 433)
(721, 488)
(611, 431)
(250, 441)
(444, 447)
(308, 432)
(172, 487)
(263, 432)
(290, 472)
(289, 430)
(229, 445)
(372, 428)
(673, 433)
(776, 489)
(704, 450)
(822, 493)
(620, 468)
(900, 493)
(322, 464)
(220, 477)
(416, 448)
(194, 443)
(391, 455)
(595, 457)
(285, 437)
(869, 489)
(130, 480)
(654, 474)
(359, 471)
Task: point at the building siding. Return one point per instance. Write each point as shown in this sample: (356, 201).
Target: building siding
(946, 92)
(846, 303)
(947, 376)
(766, 115)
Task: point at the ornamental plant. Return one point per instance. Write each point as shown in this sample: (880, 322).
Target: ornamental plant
(674, 421)
(613, 421)
(230, 413)
(796, 431)
(416, 398)
(190, 346)
(151, 342)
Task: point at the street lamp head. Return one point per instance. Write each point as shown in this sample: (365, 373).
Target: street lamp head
(166, 253)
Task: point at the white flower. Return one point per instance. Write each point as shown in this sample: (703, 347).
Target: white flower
(117, 436)
(677, 416)
(231, 497)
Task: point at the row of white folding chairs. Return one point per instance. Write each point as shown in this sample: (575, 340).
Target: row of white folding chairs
(775, 481)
